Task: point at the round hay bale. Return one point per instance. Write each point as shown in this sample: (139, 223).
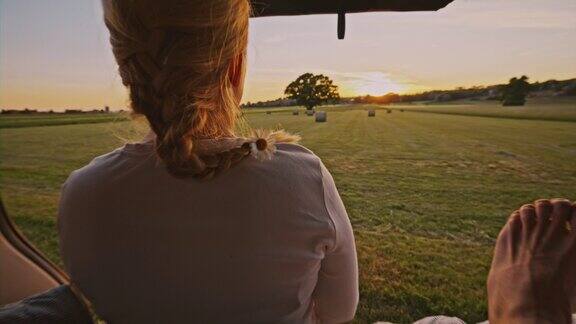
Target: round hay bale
(309, 112)
(389, 111)
(268, 113)
(295, 113)
(321, 117)
(371, 113)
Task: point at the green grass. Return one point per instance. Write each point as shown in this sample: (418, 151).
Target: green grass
(426, 193)
(32, 120)
(556, 109)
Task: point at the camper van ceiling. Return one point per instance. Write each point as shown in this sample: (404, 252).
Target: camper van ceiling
(266, 8)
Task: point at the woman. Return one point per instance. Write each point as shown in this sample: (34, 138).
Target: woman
(196, 223)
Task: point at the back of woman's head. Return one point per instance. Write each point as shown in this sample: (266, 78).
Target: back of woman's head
(176, 57)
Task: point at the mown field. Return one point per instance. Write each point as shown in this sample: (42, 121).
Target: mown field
(31, 120)
(426, 193)
(557, 109)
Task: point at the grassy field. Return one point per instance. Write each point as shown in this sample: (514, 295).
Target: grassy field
(426, 193)
(556, 109)
(31, 120)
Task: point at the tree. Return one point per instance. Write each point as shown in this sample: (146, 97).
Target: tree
(515, 92)
(390, 97)
(311, 90)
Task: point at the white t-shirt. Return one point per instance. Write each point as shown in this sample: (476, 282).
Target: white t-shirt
(263, 242)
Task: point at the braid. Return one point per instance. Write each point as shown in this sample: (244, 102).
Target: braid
(175, 60)
(219, 162)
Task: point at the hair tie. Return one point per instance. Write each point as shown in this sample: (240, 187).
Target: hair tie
(262, 144)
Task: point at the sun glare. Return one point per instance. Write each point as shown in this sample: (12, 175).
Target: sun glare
(375, 84)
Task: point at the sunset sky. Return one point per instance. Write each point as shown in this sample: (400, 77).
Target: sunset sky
(55, 53)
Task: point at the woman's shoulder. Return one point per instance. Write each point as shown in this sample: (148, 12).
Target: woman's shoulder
(292, 165)
(296, 149)
(97, 169)
(290, 154)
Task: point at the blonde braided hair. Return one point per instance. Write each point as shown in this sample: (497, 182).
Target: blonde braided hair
(175, 56)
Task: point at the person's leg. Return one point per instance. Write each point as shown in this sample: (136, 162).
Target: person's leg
(534, 266)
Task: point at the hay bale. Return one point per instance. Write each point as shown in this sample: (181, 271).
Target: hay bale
(401, 110)
(309, 112)
(371, 113)
(268, 113)
(320, 116)
(389, 111)
(295, 113)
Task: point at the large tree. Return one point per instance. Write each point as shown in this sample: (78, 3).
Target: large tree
(515, 91)
(312, 90)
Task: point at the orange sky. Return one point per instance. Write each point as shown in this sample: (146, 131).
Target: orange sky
(55, 53)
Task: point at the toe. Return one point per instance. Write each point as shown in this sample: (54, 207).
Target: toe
(544, 210)
(561, 211)
(506, 244)
(515, 226)
(515, 220)
(528, 217)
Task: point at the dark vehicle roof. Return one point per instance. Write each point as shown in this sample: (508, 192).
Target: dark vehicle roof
(265, 8)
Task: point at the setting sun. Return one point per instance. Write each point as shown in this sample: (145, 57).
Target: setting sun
(374, 84)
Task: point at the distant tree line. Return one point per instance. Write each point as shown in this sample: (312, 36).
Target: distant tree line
(280, 102)
(502, 92)
(25, 111)
(550, 88)
(555, 87)
(520, 86)
(489, 93)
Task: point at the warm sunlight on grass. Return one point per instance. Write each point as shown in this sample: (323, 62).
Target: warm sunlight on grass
(426, 192)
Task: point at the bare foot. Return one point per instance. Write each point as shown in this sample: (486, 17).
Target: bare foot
(534, 266)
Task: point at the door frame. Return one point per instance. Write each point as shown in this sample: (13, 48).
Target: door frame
(15, 237)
